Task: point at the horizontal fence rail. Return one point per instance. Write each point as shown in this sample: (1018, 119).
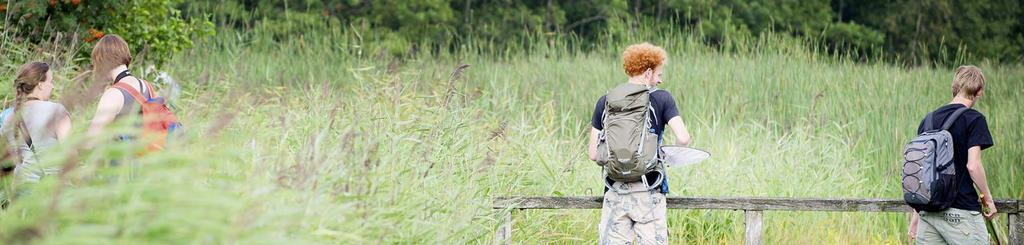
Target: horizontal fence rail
(752, 207)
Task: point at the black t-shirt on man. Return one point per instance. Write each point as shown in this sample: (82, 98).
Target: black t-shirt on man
(664, 109)
(969, 130)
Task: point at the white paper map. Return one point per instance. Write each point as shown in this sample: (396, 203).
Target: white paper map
(678, 156)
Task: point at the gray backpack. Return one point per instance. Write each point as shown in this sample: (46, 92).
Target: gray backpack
(627, 146)
(929, 181)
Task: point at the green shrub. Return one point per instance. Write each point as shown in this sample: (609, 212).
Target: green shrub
(155, 29)
(852, 37)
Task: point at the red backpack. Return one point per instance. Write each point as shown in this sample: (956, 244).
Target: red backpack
(158, 122)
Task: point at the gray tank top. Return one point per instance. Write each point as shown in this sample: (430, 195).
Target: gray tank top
(38, 117)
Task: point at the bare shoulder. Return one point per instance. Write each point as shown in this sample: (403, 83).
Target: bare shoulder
(111, 98)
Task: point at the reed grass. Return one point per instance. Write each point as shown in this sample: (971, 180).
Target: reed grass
(322, 139)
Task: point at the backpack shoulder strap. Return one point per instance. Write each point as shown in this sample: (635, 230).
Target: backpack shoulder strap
(929, 120)
(28, 135)
(650, 106)
(147, 88)
(604, 113)
(131, 91)
(24, 129)
(952, 118)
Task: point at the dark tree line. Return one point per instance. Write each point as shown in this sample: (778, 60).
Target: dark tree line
(914, 31)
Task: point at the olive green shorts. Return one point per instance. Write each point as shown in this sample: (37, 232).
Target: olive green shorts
(953, 226)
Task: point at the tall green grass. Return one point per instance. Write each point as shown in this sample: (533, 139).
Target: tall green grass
(321, 139)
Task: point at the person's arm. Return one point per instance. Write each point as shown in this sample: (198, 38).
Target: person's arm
(596, 123)
(63, 126)
(912, 229)
(977, 172)
(110, 104)
(679, 129)
(592, 148)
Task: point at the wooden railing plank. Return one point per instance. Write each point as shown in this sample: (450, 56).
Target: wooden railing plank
(735, 203)
(753, 207)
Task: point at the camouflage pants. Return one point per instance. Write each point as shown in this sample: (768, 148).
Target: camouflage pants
(633, 214)
(952, 226)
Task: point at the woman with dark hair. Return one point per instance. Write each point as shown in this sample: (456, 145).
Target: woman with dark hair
(34, 124)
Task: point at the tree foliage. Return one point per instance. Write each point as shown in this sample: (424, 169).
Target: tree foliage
(155, 28)
(916, 32)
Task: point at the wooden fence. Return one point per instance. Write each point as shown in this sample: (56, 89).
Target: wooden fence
(752, 207)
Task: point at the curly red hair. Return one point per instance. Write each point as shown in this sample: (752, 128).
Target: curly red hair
(639, 57)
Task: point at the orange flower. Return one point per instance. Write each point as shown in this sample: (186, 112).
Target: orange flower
(96, 33)
(3, 7)
(75, 2)
(53, 2)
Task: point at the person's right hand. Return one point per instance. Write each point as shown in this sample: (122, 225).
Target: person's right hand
(912, 232)
(990, 204)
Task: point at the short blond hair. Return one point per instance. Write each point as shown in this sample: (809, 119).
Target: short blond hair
(968, 80)
(639, 57)
(110, 52)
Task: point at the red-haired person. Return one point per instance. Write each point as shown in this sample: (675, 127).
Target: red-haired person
(635, 212)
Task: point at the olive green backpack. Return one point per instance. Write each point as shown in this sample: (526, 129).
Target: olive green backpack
(627, 146)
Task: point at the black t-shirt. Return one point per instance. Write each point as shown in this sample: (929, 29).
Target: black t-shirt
(664, 109)
(969, 130)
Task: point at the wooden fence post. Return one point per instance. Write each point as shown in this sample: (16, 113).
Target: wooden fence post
(1016, 229)
(504, 233)
(753, 226)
